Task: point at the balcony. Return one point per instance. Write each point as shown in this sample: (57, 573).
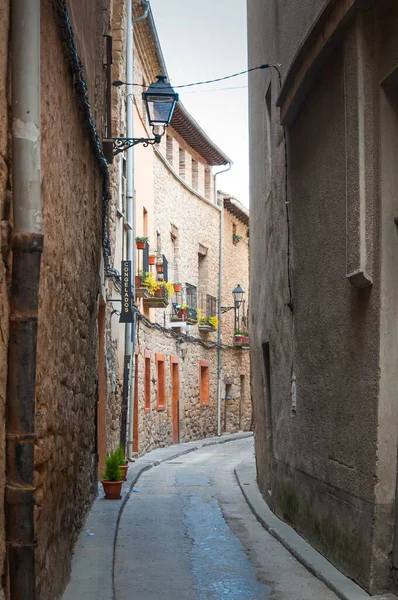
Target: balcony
(208, 324)
(159, 299)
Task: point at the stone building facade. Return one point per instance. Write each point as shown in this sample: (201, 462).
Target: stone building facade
(323, 291)
(70, 284)
(175, 375)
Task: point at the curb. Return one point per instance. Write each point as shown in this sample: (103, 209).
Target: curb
(310, 558)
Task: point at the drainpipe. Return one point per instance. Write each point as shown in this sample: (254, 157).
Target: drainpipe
(27, 245)
(220, 271)
(130, 331)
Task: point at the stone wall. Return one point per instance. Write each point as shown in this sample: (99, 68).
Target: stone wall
(67, 369)
(4, 256)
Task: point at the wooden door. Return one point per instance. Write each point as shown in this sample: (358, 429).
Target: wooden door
(175, 397)
(135, 421)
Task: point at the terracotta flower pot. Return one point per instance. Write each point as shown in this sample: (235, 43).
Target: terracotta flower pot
(177, 287)
(152, 260)
(138, 281)
(159, 268)
(140, 245)
(112, 489)
(160, 292)
(124, 469)
(182, 313)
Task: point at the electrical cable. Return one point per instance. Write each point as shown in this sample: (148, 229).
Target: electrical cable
(118, 82)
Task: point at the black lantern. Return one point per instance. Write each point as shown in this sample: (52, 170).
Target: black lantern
(238, 293)
(160, 100)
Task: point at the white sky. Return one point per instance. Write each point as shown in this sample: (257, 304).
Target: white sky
(205, 40)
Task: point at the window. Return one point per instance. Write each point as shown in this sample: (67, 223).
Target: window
(182, 162)
(169, 148)
(195, 174)
(208, 184)
(192, 295)
(161, 382)
(147, 380)
(204, 382)
(211, 306)
(121, 207)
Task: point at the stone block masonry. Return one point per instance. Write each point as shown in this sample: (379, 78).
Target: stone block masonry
(65, 454)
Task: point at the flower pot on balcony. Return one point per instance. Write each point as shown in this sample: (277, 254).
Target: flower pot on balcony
(140, 245)
(159, 268)
(138, 281)
(152, 259)
(182, 314)
(177, 287)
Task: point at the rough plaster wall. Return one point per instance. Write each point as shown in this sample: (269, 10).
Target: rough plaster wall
(324, 458)
(385, 28)
(4, 257)
(67, 344)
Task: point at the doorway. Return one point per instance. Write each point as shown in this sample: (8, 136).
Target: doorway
(135, 408)
(175, 397)
(101, 410)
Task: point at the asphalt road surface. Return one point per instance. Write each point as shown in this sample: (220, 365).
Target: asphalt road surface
(187, 533)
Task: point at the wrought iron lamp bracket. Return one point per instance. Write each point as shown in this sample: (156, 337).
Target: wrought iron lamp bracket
(225, 309)
(121, 144)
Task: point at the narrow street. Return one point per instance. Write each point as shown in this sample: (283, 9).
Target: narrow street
(187, 533)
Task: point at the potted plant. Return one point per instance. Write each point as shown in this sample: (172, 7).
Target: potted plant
(182, 312)
(123, 464)
(159, 267)
(164, 289)
(208, 323)
(177, 287)
(140, 242)
(245, 337)
(152, 259)
(238, 334)
(112, 477)
(236, 239)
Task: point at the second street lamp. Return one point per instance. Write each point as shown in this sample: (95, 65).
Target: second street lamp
(238, 294)
(160, 100)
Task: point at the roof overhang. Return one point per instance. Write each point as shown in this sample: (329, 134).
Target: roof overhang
(237, 209)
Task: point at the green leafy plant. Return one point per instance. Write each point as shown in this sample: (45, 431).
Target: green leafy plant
(236, 238)
(112, 468)
(210, 321)
(141, 239)
(239, 332)
(184, 307)
(121, 456)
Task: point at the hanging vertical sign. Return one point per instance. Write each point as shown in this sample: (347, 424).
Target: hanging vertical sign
(126, 314)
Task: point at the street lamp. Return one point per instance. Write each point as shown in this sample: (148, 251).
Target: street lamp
(238, 294)
(160, 100)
